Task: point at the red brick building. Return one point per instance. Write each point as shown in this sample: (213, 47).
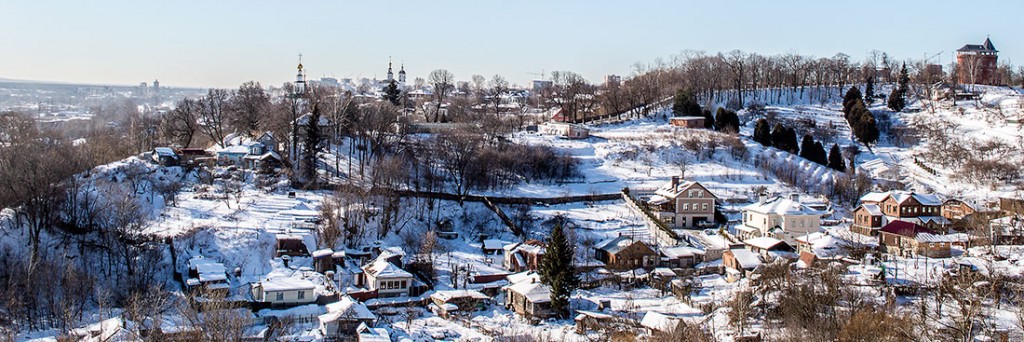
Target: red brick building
(976, 64)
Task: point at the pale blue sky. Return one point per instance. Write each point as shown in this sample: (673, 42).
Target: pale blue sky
(224, 43)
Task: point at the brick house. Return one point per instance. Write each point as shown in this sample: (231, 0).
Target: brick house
(977, 64)
(623, 252)
(880, 208)
(910, 239)
(684, 204)
(523, 256)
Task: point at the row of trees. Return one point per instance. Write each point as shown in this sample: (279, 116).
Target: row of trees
(862, 121)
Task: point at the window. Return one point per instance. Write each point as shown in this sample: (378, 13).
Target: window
(704, 207)
(280, 296)
(700, 194)
(402, 286)
(302, 294)
(686, 207)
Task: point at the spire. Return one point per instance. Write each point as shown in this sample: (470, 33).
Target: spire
(300, 78)
(391, 75)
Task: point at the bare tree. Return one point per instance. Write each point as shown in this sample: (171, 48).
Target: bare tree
(181, 123)
(248, 109)
(443, 82)
(213, 108)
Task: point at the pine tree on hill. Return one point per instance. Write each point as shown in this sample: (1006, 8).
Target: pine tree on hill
(896, 101)
(869, 90)
(727, 121)
(835, 159)
(820, 156)
(904, 79)
(762, 133)
(850, 99)
(558, 271)
(807, 147)
(709, 120)
(685, 104)
(866, 128)
(791, 141)
(778, 136)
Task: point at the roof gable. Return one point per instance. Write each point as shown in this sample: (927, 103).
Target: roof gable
(904, 228)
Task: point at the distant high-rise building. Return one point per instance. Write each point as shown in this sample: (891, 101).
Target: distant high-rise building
(143, 89)
(612, 80)
(156, 87)
(976, 64)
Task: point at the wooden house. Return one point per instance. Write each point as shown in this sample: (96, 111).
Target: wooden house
(910, 239)
(681, 257)
(343, 317)
(453, 302)
(284, 291)
(622, 253)
(522, 256)
(291, 245)
(529, 298)
(687, 121)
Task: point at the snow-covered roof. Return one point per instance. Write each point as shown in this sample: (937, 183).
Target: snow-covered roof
(448, 295)
(874, 197)
(322, 253)
(494, 244)
(781, 206)
(164, 152)
(681, 252)
(659, 321)
(668, 191)
(526, 276)
(381, 268)
(368, 334)
(936, 219)
(615, 245)
(347, 308)
(234, 149)
(901, 196)
(747, 259)
(286, 284)
(663, 272)
(764, 242)
(207, 269)
(533, 291)
(658, 200)
(928, 237)
(872, 209)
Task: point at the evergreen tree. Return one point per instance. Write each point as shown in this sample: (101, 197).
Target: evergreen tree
(558, 271)
(807, 147)
(778, 137)
(791, 141)
(850, 99)
(709, 120)
(903, 79)
(835, 159)
(896, 101)
(727, 120)
(869, 128)
(392, 93)
(762, 133)
(685, 104)
(312, 144)
(869, 90)
(820, 156)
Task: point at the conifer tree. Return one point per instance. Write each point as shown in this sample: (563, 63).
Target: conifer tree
(762, 133)
(820, 156)
(685, 104)
(709, 120)
(791, 141)
(869, 90)
(807, 147)
(558, 271)
(903, 79)
(850, 99)
(896, 101)
(835, 159)
(392, 93)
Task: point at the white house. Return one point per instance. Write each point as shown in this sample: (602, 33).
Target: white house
(284, 291)
(344, 316)
(386, 278)
(780, 217)
(564, 129)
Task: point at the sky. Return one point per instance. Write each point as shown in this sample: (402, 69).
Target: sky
(227, 42)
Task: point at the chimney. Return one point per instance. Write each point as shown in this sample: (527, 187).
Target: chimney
(761, 198)
(795, 197)
(675, 183)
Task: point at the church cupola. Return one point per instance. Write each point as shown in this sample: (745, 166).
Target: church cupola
(391, 75)
(300, 78)
(401, 74)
